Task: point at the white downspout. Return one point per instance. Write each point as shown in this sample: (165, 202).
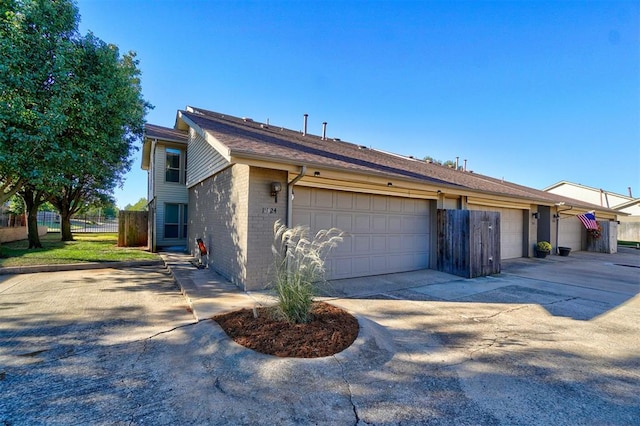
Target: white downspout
(303, 171)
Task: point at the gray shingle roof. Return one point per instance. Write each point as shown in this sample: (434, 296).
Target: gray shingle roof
(250, 138)
(158, 132)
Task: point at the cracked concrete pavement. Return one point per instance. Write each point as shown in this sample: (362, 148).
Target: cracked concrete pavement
(551, 341)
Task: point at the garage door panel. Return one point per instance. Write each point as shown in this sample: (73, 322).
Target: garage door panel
(413, 224)
(361, 265)
(379, 265)
(341, 267)
(379, 224)
(410, 206)
(322, 199)
(344, 222)
(395, 205)
(416, 243)
(362, 243)
(345, 247)
(385, 234)
(395, 242)
(379, 204)
(322, 221)
(344, 201)
(395, 224)
(378, 243)
(363, 202)
(302, 198)
(362, 223)
(301, 217)
(399, 262)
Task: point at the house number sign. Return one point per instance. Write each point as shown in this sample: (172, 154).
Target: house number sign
(269, 210)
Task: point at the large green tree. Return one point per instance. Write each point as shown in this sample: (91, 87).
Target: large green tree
(71, 109)
(105, 117)
(35, 39)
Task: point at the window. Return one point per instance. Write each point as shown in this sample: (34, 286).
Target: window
(175, 221)
(174, 163)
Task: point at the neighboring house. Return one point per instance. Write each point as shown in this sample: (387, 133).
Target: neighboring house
(600, 197)
(164, 156)
(628, 206)
(243, 175)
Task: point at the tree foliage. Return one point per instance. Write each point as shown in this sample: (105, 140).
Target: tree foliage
(106, 116)
(35, 38)
(71, 108)
(448, 163)
(139, 206)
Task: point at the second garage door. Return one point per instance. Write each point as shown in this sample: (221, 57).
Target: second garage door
(570, 233)
(384, 234)
(511, 231)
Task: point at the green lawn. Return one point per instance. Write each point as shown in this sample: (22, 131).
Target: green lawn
(628, 243)
(86, 248)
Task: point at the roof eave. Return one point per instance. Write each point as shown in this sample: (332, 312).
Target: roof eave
(146, 154)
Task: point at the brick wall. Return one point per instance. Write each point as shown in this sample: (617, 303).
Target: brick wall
(262, 213)
(218, 215)
(233, 212)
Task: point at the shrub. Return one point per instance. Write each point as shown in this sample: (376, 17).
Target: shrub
(299, 267)
(544, 246)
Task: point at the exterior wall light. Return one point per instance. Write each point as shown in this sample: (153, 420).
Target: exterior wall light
(535, 215)
(276, 187)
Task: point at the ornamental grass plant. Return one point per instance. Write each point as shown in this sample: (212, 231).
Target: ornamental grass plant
(299, 267)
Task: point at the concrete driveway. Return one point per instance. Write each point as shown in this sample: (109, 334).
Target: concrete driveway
(551, 341)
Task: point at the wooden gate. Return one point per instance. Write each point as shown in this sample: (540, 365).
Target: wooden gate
(468, 242)
(132, 228)
(607, 241)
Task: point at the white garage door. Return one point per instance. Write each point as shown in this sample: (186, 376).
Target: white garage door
(570, 233)
(511, 230)
(385, 234)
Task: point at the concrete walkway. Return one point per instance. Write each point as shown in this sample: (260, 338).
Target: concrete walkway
(551, 341)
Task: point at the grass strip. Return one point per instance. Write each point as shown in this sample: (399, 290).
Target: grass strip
(99, 247)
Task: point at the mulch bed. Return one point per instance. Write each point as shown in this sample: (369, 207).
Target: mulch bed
(330, 331)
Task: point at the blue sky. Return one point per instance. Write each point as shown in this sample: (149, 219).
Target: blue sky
(532, 92)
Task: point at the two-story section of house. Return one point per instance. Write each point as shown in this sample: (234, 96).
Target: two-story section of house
(164, 156)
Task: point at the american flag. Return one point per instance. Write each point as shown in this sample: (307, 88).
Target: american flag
(588, 220)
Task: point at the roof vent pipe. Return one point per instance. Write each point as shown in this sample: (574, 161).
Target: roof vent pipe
(465, 165)
(630, 194)
(324, 135)
(304, 125)
(457, 159)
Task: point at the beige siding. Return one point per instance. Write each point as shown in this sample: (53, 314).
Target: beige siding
(218, 215)
(589, 195)
(203, 160)
(166, 192)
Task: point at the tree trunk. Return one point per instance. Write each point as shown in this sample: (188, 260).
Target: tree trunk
(65, 225)
(33, 199)
(32, 227)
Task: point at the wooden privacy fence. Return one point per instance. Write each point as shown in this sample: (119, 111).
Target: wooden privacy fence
(132, 228)
(607, 242)
(468, 242)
